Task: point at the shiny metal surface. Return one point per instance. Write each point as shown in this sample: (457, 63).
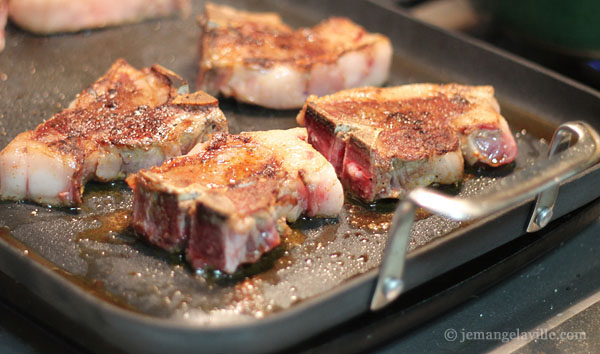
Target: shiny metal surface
(72, 259)
(392, 265)
(520, 186)
(544, 204)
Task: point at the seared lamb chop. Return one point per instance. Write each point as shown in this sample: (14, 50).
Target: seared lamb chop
(52, 16)
(125, 121)
(256, 58)
(3, 15)
(226, 201)
(384, 141)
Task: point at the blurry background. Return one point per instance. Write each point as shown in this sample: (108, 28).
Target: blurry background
(558, 292)
(561, 35)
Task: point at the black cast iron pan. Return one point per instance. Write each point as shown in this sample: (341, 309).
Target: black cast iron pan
(90, 267)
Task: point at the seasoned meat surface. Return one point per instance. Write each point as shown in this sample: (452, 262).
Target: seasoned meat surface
(256, 58)
(226, 202)
(384, 141)
(127, 120)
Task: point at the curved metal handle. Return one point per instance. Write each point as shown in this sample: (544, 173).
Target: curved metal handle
(511, 190)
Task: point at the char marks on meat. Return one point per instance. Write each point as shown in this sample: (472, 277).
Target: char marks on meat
(127, 120)
(384, 141)
(256, 58)
(53, 16)
(226, 202)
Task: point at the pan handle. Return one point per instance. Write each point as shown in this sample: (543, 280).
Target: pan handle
(542, 178)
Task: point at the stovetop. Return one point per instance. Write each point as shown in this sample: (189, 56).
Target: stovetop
(556, 294)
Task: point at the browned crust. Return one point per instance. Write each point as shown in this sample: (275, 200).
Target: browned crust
(231, 37)
(196, 99)
(408, 129)
(172, 79)
(109, 112)
(312, 110)
(255, 169)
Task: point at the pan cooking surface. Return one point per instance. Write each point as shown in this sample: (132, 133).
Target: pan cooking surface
(94, 246)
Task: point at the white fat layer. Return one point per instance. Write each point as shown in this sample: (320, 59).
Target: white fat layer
(318, 175)
(13, 172)
(355, 67)
(298, 158)
(280, 87)
(48, 176)
(109, 166)
(380, 68)
(28, 171)
(445, 169)
(234, 244)
(286, 87)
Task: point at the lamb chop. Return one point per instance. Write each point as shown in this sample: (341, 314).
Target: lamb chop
(127, 120)
(52, 16)
(256, 58)
(3, 16)
(384, 141)
(226, 202)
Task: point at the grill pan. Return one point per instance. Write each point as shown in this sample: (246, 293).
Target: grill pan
(88, 265)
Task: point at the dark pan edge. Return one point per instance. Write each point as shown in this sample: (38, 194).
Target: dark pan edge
(119, 326)
(350, 296)
(457, 57)
(446, 292)
(490, 48)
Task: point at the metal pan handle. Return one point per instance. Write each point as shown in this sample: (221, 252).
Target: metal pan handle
(542, 178)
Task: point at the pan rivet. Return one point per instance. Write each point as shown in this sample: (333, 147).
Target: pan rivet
(392, 287)
(544, 216)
